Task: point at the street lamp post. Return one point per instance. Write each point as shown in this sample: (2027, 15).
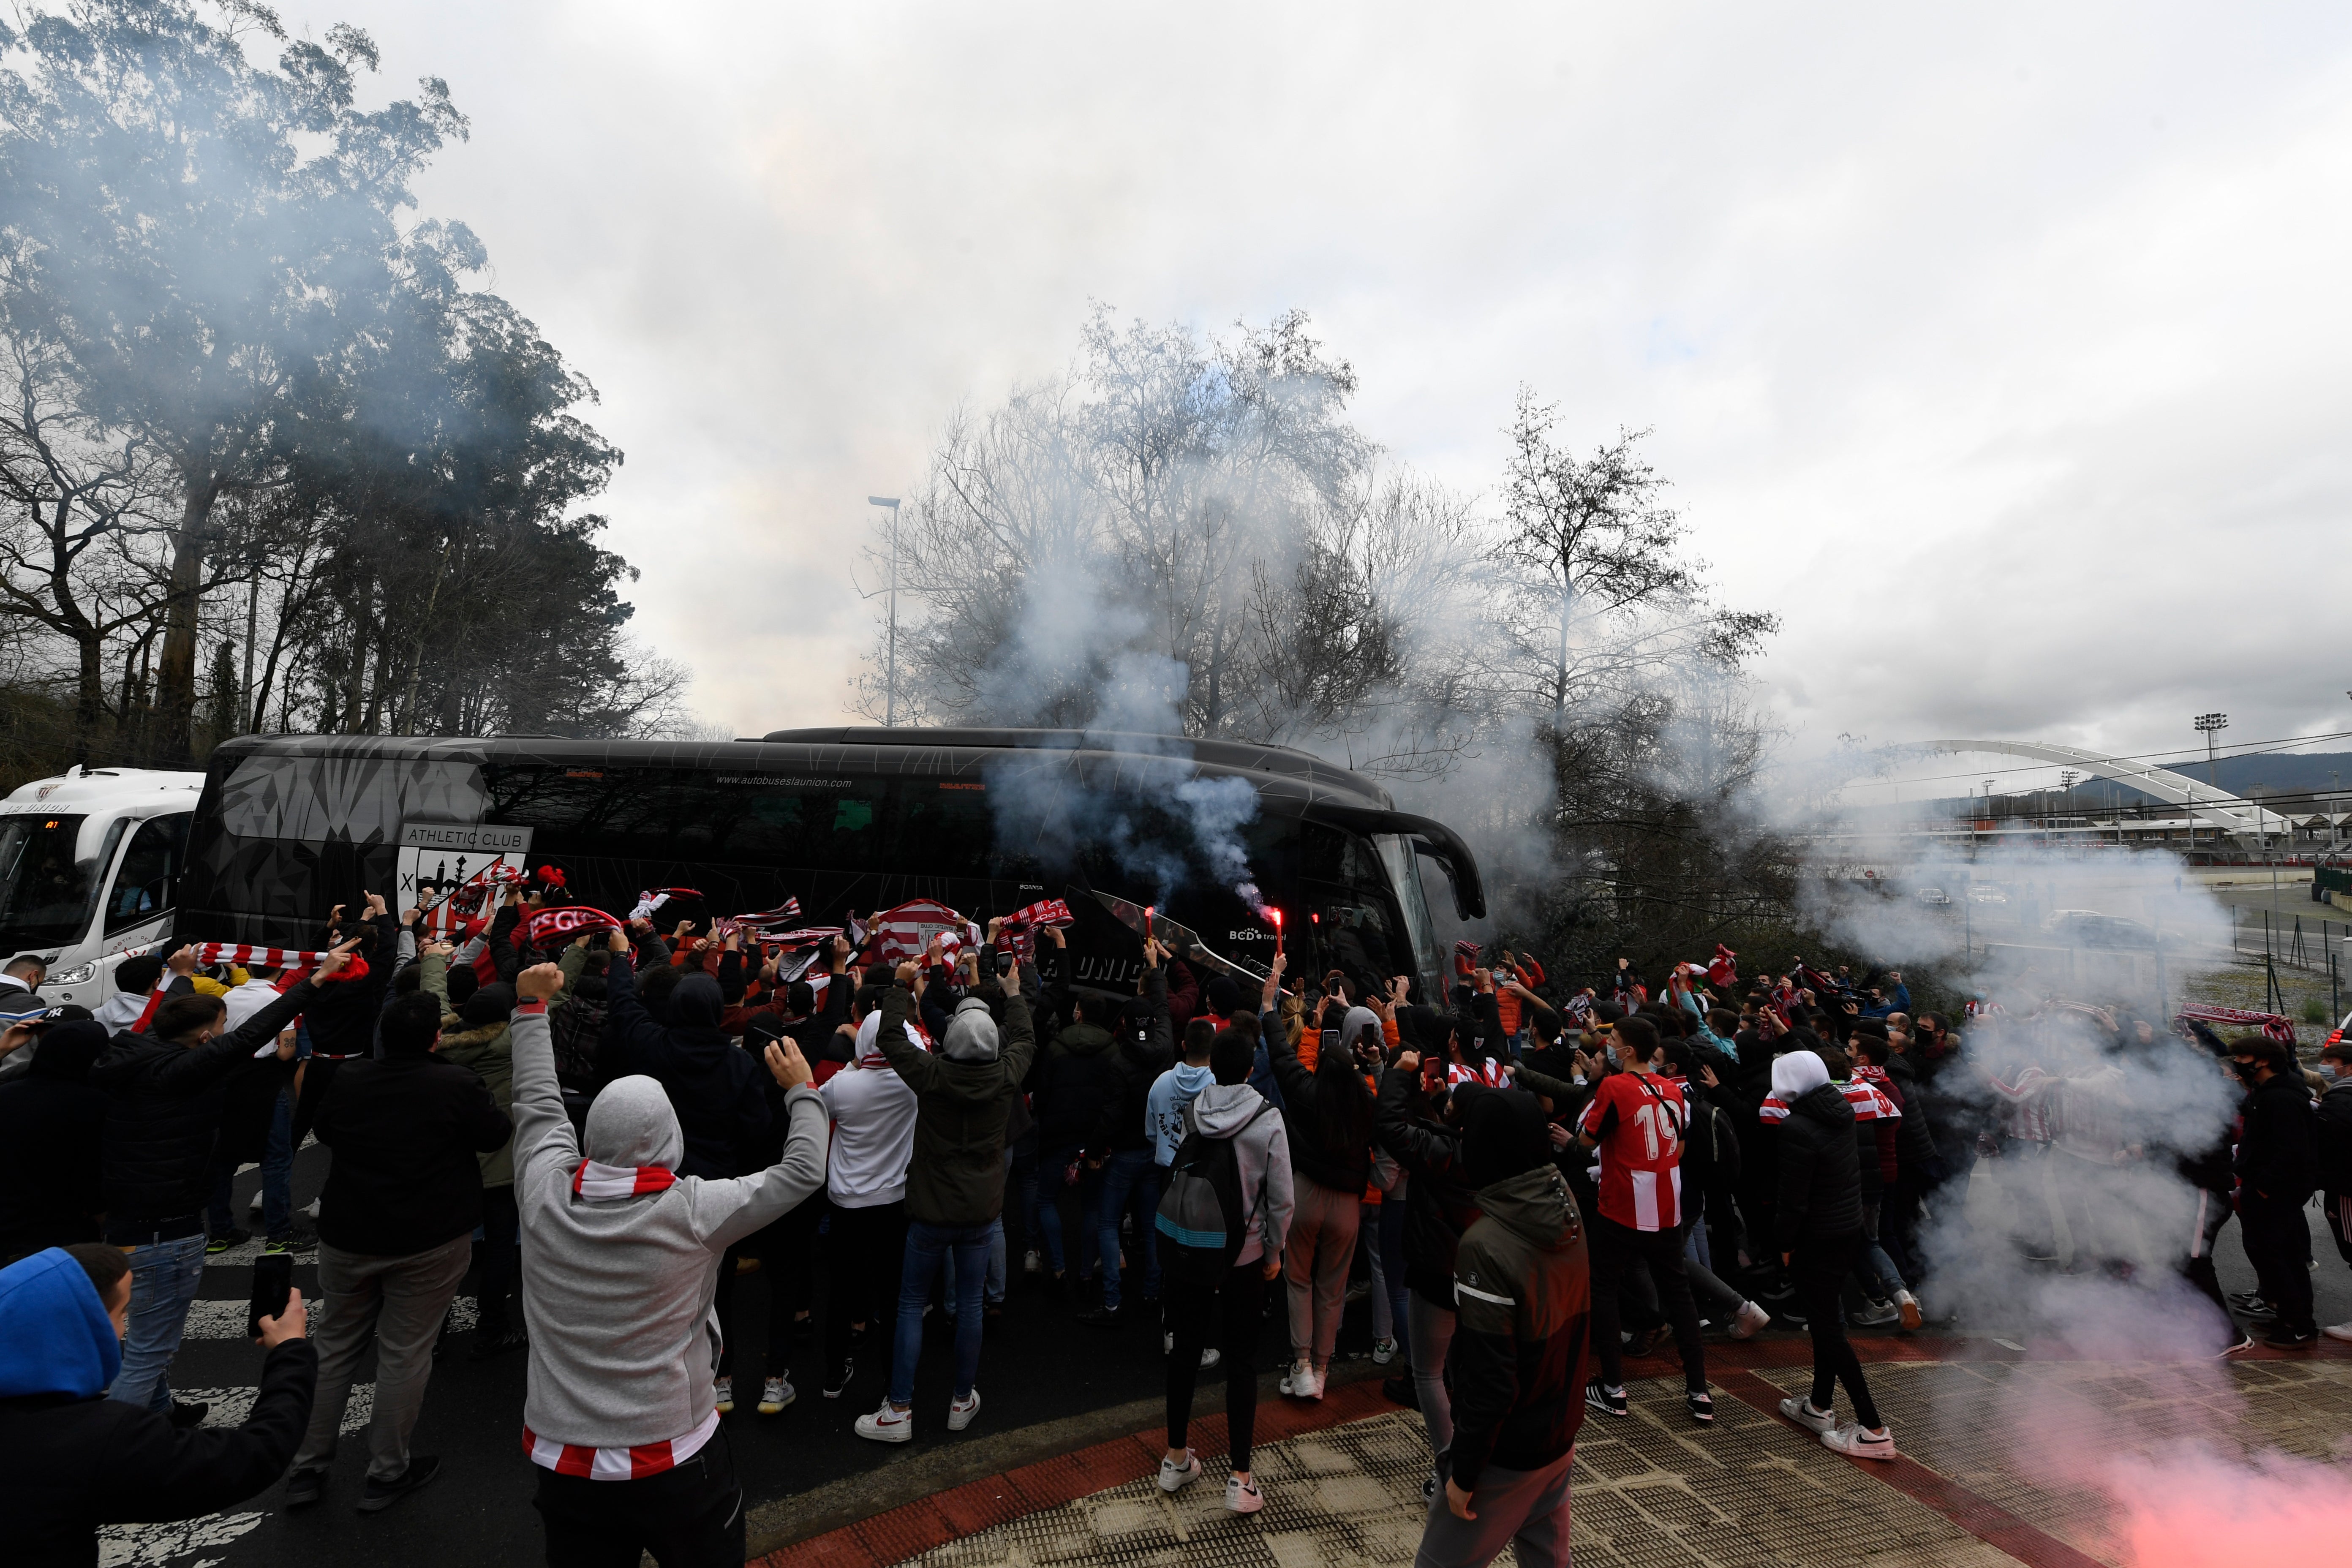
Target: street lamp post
(890, 689)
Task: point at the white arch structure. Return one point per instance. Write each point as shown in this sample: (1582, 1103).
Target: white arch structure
(2214, 808)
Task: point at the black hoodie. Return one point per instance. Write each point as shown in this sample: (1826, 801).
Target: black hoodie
(1820, 1188)
(1440, 1204)
(715, 1088)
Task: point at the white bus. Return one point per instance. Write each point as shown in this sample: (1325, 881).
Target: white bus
(88, 863)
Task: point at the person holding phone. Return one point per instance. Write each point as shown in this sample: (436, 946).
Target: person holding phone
(77, 1459)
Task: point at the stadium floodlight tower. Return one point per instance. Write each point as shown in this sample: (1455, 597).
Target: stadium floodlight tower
(2209, 725)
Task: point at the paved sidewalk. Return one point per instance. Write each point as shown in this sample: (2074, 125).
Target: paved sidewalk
(1991, 1437)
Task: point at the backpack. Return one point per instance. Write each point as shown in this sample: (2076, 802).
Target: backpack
(1203, 1219)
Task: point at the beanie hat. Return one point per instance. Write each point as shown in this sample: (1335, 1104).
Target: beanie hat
(971, 1033)
(488, 1004)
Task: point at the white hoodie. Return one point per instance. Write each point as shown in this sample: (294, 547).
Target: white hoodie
(872, 1111)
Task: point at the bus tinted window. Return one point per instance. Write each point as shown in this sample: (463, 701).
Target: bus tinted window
(935, 827)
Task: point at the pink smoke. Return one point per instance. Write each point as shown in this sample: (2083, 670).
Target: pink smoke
(2198, 1509)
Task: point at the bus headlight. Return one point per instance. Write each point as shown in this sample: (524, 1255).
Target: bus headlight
(73, 976)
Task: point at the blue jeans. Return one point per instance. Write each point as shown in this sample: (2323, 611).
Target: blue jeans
(927, 1246)
(165, 1276)
(1053, 1173)
(1129, 1177)
(1393, 1210)
(277, 1178)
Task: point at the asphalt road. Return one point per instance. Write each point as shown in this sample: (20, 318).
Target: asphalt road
(1039, 1366)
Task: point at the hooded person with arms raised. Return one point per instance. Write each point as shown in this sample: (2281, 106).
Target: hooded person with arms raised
(619, 1255)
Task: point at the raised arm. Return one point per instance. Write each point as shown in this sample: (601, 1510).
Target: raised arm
(542, 1134)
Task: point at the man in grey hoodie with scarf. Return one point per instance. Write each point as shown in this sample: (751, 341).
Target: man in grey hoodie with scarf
(619, 1260)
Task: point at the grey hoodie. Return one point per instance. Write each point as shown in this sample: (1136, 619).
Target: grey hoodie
(1262, 1154)
(617, 1292)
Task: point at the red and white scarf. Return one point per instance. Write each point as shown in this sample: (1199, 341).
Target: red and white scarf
(617, 1464)
(596, 1182)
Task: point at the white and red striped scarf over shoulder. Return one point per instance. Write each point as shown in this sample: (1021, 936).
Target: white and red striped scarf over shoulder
(598, 1183)
(1869, 1104)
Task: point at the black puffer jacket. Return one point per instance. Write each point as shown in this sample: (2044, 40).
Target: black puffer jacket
(1078, 1084)
(715, 1088)
(164, 1108)
(1439, 1204)
(1819, 1194)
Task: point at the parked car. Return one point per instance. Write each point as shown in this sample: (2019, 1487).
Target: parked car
(1933, 896)
(2088, 928)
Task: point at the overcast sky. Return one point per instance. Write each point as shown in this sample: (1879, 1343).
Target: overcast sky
(2001, 350)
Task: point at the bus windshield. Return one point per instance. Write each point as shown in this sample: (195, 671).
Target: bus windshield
(47, 878)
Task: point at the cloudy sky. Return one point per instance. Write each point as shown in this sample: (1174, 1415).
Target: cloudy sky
(2002, 350)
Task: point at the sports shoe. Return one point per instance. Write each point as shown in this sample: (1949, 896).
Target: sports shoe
(1645, 1343)
(1748, 1320)
(2282, 1338)
(1859, 1442)
(235, 1236)
(2246, 1298)
(1359, 1289)
(1032, 1262)
(1875, 1315)
(381, 1495)
(304, 1488)
(1101, 1317)
(888, 1423)
(962, 1411)
(1211, 1357)
(486, 1346)
(1609, 1402)
(1429, 1488)
(255, 1207)
(1168, 1343)
(2245, 1342)
(837, 1384)
(1702, 1408)
(1175, 1478)
(1383, 1352)
(1297, 1380)
(775, 1393)
(1800, 1409)
(1906, 1306)
(2339, 1331)
(726, 1387)
(281, 1245)
(1398, 1388)
(1242, 1497)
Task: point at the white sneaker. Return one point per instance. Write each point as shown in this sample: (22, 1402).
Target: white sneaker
(1908, 1305)
(255, 1207)
(961, 1412)
(726, 1387)
(1800, 1409)
(1032, 1262)
(1211, 1357)
(1167, 1344)
(1301, 1382)
(1242, 1497)
(1174, 1477)
(887, 1424)
(1745, 1321)
(2339, 1331)
(1383, 1352)
(775, 1393)
(1860, 1443)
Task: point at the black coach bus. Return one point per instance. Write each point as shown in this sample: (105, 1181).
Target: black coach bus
(845, 820)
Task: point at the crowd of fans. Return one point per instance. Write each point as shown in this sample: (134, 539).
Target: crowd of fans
(1528, 1182)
